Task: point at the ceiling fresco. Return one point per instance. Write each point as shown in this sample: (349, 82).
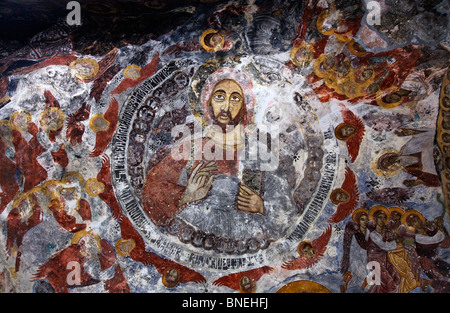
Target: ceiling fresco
(225, 146)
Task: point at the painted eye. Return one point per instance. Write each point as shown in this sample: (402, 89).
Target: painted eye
(235, 99)
(219, 97)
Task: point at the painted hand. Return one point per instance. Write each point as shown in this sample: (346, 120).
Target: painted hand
(249, 201)
(199, 182)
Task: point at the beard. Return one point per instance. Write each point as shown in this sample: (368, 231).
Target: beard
(226, 114)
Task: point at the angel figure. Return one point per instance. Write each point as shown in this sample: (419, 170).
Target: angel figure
(346, 198)
(245, 282)
(310, 252)
(354, 257)
(351, 131)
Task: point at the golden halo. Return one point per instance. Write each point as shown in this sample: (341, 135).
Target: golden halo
(409, 213)
(253, 284)
(381, 93)
(338, 129)
(301, 244)
(130, 244)
(88, 63)
(303, 286)
(377, 208)
(303, 46)
(80, 234)
(396, 209)
(47, 121)
(130, 72)
(380, 172)
(14, 115)
(166, 283)
(320, 21)
(93, 187)
(207, 47)
(318, 70)
(357, 212)
(96, 126)
(334, 192)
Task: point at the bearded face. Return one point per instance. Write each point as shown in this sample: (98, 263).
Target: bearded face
(227, 102)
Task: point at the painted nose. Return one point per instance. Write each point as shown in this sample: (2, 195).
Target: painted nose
(226, 105)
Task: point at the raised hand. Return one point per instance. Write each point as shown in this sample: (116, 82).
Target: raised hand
(249, 201)
(199, 182)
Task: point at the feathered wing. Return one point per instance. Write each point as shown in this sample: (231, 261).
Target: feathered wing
(104, 137)
(319, 244)
(100, 83)
(354, 142)
(349, 231)
(75, 129)
(108, 196)
(55, 262)
(350, 186)
(233, 280)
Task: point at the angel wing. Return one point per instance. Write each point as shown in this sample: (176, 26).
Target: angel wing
(108, 196)
(145, 73)
(345, 208)
(354, 142)
(162, 265)
(319, 245)
(101, 82)
(233, 280)
(75, 129)
(104, 137)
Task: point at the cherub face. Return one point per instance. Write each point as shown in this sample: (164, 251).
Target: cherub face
(308, 251)
(227, 100)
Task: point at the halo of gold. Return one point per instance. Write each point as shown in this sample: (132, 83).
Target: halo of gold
(131, 68)
(243, 291)
(335, 191)
(60, 122)
(380, 172)
(12, 125)
(377, 208)
(205, 46)
(338, 128)
(122, 252)
(356, 212)
(396, 209)
(95, 67)
(91, 187)
(303, 286)
(80, 234)
(302, 243)
(320, 21)
(164, 281)
(305, 46)
(317, 69)
(381, 93)
(92, 123)
(412, 212)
